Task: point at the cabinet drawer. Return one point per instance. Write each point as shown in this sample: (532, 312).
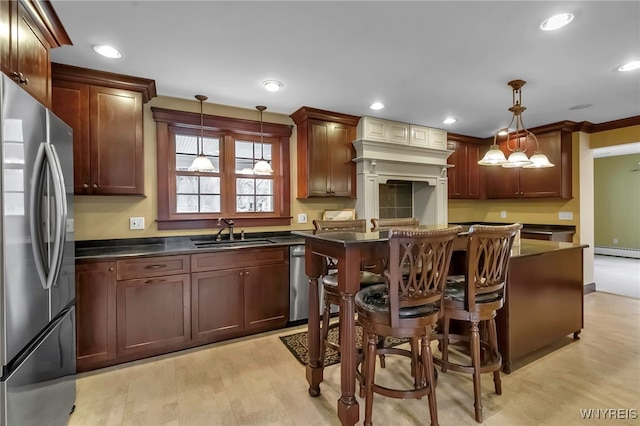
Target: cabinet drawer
(152, 267)
(238, 258)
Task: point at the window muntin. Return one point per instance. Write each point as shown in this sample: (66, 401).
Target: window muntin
(187, 148)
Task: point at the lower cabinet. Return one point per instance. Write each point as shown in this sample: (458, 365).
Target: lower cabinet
(138, 307)
(95, 313)
(153, 314)
(239, 301)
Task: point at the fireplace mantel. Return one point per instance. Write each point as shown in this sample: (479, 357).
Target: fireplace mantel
(379, 162)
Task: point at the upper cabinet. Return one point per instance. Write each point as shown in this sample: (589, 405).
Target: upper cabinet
(464, 177)
(325, 153)
(105, 111)
(533, 183)
(376, 129)
(28, 31)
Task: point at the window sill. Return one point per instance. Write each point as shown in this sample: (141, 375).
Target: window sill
(239, 222)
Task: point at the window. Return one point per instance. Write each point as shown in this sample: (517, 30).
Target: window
(189, 199)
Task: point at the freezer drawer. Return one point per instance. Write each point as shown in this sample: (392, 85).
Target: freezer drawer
(41, 390)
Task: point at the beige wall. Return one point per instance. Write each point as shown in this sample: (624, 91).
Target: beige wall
(105, 217)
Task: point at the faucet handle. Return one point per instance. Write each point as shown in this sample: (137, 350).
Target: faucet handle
(242, 234)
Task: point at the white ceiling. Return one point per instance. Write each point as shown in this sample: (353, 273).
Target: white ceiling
(425, 60)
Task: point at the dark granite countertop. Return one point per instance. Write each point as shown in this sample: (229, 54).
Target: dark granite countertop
(530, 227)
(122, 248)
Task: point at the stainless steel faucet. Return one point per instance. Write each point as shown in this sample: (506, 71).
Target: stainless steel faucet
(229, 223)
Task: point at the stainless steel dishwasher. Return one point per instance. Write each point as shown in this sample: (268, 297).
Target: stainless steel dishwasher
(299, 286)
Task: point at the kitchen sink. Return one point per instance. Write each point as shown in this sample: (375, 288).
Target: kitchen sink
(227, 243)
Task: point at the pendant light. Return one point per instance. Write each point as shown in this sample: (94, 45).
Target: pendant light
(201, 163)
(262, 167)
(518, 156)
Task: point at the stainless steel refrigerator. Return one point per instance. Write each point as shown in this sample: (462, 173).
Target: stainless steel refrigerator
(37, 263)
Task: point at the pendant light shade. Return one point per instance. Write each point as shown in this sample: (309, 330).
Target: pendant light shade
(518, 157)
(262, 166)
(201, 163)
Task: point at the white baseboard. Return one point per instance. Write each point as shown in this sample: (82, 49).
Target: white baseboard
(617, 251)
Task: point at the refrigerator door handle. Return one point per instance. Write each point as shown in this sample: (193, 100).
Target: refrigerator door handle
(60, 199)
(36, 193)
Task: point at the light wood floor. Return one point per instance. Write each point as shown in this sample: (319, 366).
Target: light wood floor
(256, 381)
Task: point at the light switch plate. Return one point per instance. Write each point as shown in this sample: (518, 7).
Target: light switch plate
(136, 223)
(302, 218)
(565, 215)
(70, 225)
(503, 214)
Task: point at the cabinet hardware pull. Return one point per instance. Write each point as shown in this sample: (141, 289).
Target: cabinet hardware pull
(246, 273)
(155, 266)
(19, 78)
(111, 269)
(95, 185)
(85, 185)
(155, 280)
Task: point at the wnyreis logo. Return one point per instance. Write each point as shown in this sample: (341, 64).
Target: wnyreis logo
(609, 413)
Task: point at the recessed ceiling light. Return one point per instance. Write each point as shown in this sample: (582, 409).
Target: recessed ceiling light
(449, 120)
(503, 132)
(556, 21)
(272, 85)
(631, 66)
(376, 106)
(107, 51)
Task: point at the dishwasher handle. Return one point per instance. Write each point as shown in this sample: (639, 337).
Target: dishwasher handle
(297, 251)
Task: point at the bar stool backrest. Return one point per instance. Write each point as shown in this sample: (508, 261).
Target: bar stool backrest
(378, 223)
(488, 253)
(427, 253)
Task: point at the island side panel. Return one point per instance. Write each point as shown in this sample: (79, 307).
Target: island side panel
(544, 302)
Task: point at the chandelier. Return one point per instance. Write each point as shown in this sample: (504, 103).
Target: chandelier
(518, 156)
(262, 166)
(201, 163)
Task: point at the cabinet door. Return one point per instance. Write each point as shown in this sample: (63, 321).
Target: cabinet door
(70, 102)
(95, 313)
(266, 297)
(464, 177)
(217, 308)
(455, 174)
(319, 158)
(548, 182)
(437, 139)
(342, 168)
(117, 164)
(32, 58)
(419, 135)
(153, 315)
(6, 23)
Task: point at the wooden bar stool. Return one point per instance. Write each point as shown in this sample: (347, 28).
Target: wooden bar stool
(474, 298)
(330, 280)
(408, 306)
(379, 224)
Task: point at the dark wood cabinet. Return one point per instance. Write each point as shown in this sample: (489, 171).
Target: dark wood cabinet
(554, 182)
(153, 314)
(232, 298)
(105, 111)
(464, 177)
(325, 153)
(28, 31)
(95, 313)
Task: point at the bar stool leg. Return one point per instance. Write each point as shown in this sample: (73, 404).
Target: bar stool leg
(475, 361)
(493, 342)
(370, 371)
(326, 316)
(427, 364)
(445, 344)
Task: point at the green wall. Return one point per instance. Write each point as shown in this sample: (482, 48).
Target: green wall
(617, 201)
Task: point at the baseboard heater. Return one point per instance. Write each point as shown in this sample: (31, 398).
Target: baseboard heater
(617, 251)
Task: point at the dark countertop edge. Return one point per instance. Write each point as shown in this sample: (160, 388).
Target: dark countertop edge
(169, 246)
(528, 227)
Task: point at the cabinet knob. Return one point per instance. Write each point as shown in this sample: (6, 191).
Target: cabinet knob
(240, 273)
(85, 185)
(95, 185)
(111, 269)
(246, 273)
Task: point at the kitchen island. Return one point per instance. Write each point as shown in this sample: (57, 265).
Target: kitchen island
(544, 288)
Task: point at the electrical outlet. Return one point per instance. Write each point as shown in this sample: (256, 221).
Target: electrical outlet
(615, 241)
(565, 215)
(503, 214)
(70, 225)
(136, 223)
(302, 218)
